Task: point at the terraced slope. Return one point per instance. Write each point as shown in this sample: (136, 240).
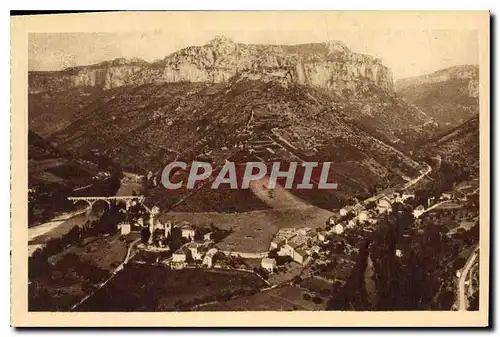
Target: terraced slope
(142, 128)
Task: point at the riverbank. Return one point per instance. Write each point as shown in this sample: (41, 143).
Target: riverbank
(63, 223)
(36, 231)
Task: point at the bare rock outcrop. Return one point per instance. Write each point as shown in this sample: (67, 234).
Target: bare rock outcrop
(329, 65)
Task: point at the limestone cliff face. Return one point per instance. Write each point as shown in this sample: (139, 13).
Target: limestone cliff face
(106, 75)
(329, 65)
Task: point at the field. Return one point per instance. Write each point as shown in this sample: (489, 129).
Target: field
(253, 231)
(156, 288)
(317, 285)
(75, 272)
(105, 252)
(285, 273)
(223, 199)
(279, 299)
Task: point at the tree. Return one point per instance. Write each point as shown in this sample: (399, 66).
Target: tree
(273, 253)
(110, 219)
(74, 234)
(145, 234)
(317, 300)
(175, 239)
(198, 235)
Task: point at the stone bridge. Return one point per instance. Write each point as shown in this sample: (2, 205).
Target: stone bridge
(125, 199)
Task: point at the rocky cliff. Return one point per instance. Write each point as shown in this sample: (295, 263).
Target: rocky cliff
(329, 65)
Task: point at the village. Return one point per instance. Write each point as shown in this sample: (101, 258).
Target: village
(328, 253)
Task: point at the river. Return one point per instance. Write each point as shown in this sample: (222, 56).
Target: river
(60, 225)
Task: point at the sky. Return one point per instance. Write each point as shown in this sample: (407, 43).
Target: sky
(408, 52)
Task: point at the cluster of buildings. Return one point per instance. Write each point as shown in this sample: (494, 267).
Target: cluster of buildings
(155, 224)
(383, 205)
(193, 252)
(432, 202)
(298, 244)
(301, 244)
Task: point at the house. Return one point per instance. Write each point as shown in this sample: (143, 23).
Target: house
(187, 231)
(124, 228)
(286, 233)
(357, 208)
(363, 216)
(194, 248)
(277, 243)
(322, 236)
(268, 264)
(304, 231)
(384, 205)
(177, 265)
(447, 196)
(208, 236)
(339, 229)
(179, 255)
(295, 252)
(331, 221)
(316, 249)
(209, 257)
(299, 255)
(345, 210)
(418, 211)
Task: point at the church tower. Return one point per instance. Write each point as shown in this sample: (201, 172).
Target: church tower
(168, 228)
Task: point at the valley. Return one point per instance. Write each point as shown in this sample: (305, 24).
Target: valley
(399, 152)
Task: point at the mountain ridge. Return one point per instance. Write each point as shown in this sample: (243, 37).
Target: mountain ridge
(328, 65)
(450, 96)
(466, 71)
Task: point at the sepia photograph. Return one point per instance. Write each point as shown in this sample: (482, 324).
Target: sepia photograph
(307, 166)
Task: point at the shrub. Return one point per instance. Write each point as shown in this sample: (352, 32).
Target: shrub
(317, 300)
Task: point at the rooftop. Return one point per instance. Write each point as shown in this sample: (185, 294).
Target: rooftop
(268, 260)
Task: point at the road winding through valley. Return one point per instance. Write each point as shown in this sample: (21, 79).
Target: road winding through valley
(462, 297)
